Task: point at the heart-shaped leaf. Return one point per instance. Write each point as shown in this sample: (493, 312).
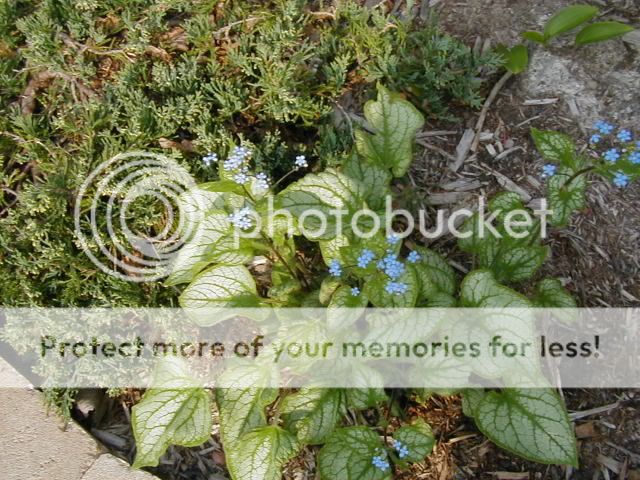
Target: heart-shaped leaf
(176, 411)
(313, 413)
(262, 453)
(396, 122)
(348, 455)
(532, 423)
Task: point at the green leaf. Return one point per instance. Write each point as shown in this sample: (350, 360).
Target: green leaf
(195, 203)
(555, 147)
(176, 411)
(434, 273)
(223, 186)
(516, 59)
(601, 31)
(569, 18)
(482, 241)
(565, 199)
(313, 413)
(327, 288)
(442, 300)
(374, 179)
(396, 122)
(505, 202)
(533, 37)
(550, 293)
(519, 263)
(480, 289)
(532, 423)
(375, 291)
(242, 408)
(331, 249)
(418, 438)
(262, 453)
(471, 398)
(325, 193)
(220, 286)
(363, 398)
(213, 243)
(342, 298)
(347, 455)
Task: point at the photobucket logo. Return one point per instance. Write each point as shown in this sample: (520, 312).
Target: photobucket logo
(103, 213)
(324, 224)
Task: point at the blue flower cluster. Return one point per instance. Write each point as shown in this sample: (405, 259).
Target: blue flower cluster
(209, 158)
(262, 181)
(390, 265)
(611, 155)
(620, 179)
(301, 162)
(549, 170)
(396, 288)
(335, 269)
(380, 462)
(366, 256)
(414, 257)
(241, 218)
(238, 157)
(402, 449)
(618, 148)
(603, 127)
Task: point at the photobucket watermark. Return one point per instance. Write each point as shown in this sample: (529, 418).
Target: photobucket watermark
(188, 219)
(364, 223)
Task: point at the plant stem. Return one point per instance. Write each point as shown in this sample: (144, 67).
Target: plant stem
(577, 174)
(279, 181)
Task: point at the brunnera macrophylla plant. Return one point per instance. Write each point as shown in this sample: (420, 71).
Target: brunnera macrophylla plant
(263, 428)
(613, 153)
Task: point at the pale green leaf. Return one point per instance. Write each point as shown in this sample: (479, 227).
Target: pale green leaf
(347, 455)
(326, 193)
(331, 249)
(343, 298)
(441, 300)
(396, 122)
(327, 288)
(242, 408)
(480, 289)
(602, 31)
(220, 286)
(569, 18)
(532, 423)
(434, 273)
(373, 178)
(193, 205)
(213, 242)
(313, 413)
(261, 454)
(176, 411)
